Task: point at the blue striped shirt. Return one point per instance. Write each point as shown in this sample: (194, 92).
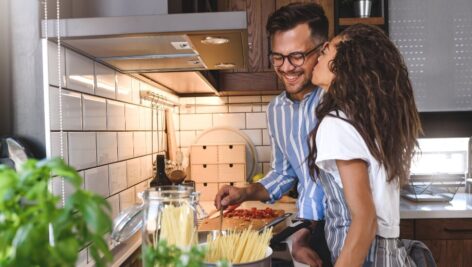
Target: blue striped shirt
(289, 125)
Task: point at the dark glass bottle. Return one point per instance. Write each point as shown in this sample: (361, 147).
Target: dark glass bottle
(160, 178)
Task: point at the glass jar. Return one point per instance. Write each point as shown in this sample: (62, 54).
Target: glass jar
(169, 213)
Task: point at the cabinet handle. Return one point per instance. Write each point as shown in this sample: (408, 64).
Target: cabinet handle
(204, 165)
(458, 230)
(230, 146)
(204, 147)
(231, 165)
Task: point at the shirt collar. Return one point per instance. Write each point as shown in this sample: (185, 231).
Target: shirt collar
(287, 99)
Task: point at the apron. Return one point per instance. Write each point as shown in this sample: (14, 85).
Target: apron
(384, 252)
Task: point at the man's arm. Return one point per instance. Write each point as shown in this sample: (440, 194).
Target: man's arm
(230, 195)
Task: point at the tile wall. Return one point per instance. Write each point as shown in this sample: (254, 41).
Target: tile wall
(110, 135)
(245, 113)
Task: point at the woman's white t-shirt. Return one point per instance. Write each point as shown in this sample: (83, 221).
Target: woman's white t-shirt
(337, 139)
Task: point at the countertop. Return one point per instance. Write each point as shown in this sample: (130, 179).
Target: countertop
(459, 207)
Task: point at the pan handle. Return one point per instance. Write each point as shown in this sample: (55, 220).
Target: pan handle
(275, 221)
(287, 232)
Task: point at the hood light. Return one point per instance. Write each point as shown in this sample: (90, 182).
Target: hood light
(212, 40)
(225, 65)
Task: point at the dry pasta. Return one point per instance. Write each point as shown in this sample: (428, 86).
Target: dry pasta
(177, 226)
(239, 247)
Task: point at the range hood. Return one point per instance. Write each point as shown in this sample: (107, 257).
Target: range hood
(143, 45)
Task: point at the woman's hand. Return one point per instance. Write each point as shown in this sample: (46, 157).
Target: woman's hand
(301, 250)
(358, 194)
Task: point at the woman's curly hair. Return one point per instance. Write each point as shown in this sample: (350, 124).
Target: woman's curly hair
(371, 86)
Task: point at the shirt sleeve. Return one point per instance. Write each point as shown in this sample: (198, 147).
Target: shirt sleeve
(282, 177)
(337, 139)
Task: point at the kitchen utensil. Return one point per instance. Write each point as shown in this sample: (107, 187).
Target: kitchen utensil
(221, 220)
(275, 221)
(171, 140)
(287, 232)
(177, 176)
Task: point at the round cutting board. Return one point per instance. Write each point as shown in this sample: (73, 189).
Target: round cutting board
(227, 135)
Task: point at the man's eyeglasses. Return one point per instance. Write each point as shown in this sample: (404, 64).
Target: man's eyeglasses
(297, 59)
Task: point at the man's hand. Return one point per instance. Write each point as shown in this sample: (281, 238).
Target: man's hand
(301, 250)
(229, 195)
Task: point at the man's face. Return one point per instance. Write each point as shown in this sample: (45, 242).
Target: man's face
(297, 79)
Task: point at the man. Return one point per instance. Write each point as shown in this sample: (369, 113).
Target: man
(297, 32)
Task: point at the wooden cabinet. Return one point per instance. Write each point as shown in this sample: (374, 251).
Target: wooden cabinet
(450, 240)
(259, 75)
(344, 15)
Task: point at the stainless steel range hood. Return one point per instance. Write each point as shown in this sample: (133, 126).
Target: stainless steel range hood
(159, 43)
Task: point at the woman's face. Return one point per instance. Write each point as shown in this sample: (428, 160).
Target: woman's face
(322, 75)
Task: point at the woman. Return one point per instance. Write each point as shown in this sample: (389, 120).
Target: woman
(362, 148)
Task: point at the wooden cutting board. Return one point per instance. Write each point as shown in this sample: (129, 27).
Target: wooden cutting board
(240, 223)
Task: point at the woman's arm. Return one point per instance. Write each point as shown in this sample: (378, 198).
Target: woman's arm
(358, 194)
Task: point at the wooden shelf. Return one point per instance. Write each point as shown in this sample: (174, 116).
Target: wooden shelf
(371, 21)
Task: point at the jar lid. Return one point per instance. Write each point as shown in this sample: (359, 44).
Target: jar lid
(127, 223)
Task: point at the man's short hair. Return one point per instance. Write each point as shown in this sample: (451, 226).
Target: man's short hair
(289, 16)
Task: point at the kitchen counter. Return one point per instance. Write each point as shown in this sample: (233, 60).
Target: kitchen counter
(459, 207)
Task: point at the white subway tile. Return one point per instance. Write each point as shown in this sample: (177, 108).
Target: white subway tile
(256, 108)
(107, 148)
(266, 168)
(240, 108)
(127, 198)
(146, 167)
(195, 121)
(115, 115)
(71, 109)
(117, 177)
(211, 109)
(82, 150)
(140, 188)
(264, 153)
(187, 105)
(244, 99)
(79, 72)
(264, 107)
(145, 118)
(124, 89)
(211, 100)
(96, 180)
(176, 121)
(258, 167)
(57, 188)
(187, 138)
(233, 120)
(114, 202)
(135, 85)
(106, 81)
(56, 146)
(125, 145)
(52, 62)
(132, 117)
(139, 141)
(94, 113)
(265, 137)
(133, 171)
(254, 135)
(256, 120)
(149, 142)
(267, 98)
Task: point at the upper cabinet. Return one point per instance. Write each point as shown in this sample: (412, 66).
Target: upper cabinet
(350, 12)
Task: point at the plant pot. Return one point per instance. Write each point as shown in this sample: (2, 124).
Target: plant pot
(362, 8)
